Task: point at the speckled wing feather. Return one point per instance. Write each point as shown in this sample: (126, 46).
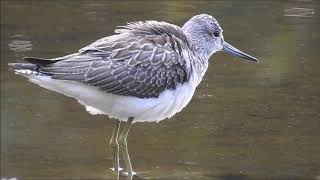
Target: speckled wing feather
(142, 61)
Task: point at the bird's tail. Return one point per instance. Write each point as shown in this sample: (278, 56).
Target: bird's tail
(32, 67)
(21, 66)
(25, 68)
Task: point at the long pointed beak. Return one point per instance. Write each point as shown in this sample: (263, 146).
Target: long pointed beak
(236, 52)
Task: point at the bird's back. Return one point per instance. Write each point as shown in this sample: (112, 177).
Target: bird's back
(143, 61)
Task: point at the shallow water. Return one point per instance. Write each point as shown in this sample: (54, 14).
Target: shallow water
(246, 120)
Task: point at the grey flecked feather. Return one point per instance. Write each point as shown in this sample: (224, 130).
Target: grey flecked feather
(142, 61)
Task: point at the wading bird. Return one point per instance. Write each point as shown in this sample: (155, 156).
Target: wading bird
(146, 72)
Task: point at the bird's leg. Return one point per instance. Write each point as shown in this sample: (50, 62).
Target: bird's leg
(124, 148)
(114, 147)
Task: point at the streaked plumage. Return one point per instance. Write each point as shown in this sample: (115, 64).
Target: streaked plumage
(148, 71)
(142, 61)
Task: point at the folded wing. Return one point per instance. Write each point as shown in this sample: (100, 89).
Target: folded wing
(134, 63)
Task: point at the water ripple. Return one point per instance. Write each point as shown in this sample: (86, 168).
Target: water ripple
(299, 12)
(20, 45)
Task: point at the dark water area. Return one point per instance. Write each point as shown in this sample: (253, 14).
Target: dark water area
(245, 121)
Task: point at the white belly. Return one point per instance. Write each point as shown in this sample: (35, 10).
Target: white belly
(122, 107)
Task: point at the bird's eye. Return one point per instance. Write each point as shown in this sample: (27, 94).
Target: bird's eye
(216, 33)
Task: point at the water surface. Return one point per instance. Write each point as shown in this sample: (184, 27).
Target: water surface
(246, 120)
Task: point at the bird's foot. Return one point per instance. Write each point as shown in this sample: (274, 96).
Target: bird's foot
(116, 170)
(130, 174)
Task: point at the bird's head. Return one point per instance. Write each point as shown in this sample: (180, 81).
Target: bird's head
(205, 34)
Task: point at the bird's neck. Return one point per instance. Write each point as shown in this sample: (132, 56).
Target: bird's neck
(198, 67)
(201, 52)
(197, 44)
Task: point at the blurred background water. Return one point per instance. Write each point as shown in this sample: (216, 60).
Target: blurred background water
(246, 120)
